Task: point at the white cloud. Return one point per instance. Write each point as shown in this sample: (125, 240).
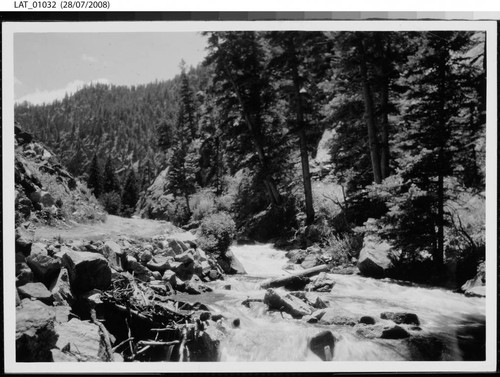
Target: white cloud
(89, 58)
(47, 96)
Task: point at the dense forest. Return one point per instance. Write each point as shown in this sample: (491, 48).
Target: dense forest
(235, 141)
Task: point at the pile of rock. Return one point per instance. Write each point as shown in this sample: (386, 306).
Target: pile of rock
(56, 278)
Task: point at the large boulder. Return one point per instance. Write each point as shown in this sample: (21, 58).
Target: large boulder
(79, 339)
(35, 334)
(195, 286)
(87, 271)
(36, 291)
(44, 267)
(374, 258)
(319, 343)
(177, 246)
(282, 301)
(477, 285)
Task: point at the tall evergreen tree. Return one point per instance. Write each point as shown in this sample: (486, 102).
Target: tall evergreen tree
(295, 58)
(95, 180)
(240, 81)
(130, 194)
(110, 181)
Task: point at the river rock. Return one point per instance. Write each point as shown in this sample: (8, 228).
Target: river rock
(87, 271)
(140, 272)
(230, 264)
(335, 316)
(476, 286)
(401, 318)
(117, 258)
(146, 256)
(374, 258)
(296, 256)
(323, 282)
(36, 291)
(282, 301)
(426, 348)
(45, 268)
(178, 247)
(195, 286)
(206, 347)
(394, 332)
(24, 240)
(159, 263)
(24, 274)
(35, 334)
(311, 260)
(39, 248)
(320, 341)
(312, 299)
(367, 320)
(79, 338)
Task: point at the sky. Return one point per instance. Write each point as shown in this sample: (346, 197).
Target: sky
(47, 65)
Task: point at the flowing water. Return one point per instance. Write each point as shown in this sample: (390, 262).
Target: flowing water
(269, 336)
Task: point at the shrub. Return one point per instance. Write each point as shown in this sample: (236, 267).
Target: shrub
(202, 205)
(217, 233)
(342, 249)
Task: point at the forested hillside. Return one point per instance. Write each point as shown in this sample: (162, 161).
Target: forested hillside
(239, 134)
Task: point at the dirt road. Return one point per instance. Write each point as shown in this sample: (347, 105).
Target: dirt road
(114, 227)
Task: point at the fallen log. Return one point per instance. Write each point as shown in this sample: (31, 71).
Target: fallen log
(285, 280)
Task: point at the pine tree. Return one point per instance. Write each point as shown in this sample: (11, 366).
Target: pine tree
(110, 182)
(130, 194)
(95, 180)
(244, 94)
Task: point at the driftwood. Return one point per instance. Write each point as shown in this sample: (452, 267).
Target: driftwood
(106, 353)
(284, 280)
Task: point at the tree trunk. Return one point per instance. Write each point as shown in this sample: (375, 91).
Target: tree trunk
(283, 280)
(384, 131)
(369, 115)
(304, 157)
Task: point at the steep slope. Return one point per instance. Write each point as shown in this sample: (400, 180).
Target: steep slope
(45, 191)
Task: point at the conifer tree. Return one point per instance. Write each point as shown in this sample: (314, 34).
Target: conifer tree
(110, 183)
(95, 180)
(130, 194)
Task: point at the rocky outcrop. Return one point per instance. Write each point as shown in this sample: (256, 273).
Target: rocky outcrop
(35, 334)
(45, 192)
(374, 258)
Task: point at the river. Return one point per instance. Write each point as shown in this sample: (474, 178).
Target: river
(268, 336)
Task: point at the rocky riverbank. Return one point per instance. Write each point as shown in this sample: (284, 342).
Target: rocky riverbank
(109, 301)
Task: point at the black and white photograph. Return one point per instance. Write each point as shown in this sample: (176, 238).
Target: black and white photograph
(283, 196)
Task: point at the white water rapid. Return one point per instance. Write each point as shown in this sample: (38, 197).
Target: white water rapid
(267, 336)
